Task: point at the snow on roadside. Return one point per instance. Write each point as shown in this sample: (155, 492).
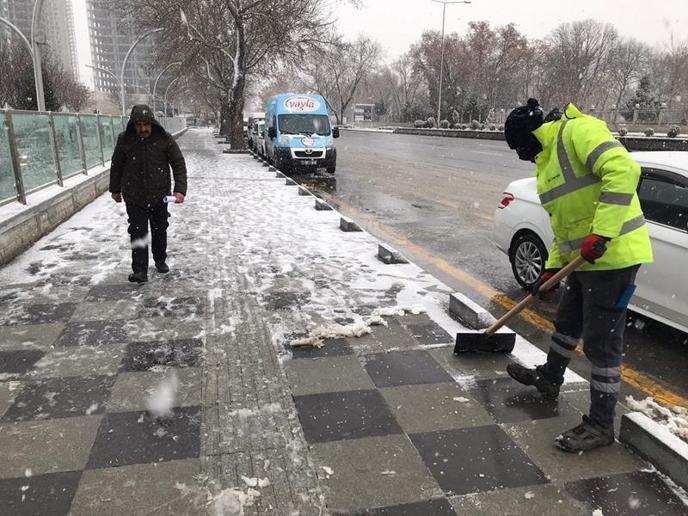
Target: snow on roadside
(675, 419)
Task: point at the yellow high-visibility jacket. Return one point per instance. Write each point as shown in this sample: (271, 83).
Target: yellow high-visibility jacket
(587, 182)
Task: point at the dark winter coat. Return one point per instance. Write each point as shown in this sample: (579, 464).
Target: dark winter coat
(140, 167)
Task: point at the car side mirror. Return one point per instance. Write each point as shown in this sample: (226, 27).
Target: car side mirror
(335, 132)
(272, 133)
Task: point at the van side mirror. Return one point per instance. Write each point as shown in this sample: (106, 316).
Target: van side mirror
(335, 132)
(272, 133)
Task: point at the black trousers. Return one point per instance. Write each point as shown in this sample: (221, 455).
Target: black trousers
(593, 306)
(139, 219)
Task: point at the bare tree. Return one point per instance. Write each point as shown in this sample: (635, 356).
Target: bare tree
(337, 71)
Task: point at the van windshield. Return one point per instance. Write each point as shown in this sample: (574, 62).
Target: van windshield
(304, 124)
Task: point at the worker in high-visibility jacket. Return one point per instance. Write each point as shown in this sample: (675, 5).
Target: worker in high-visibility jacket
(587, 183)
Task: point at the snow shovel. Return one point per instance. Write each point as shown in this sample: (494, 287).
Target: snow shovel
(490, 340)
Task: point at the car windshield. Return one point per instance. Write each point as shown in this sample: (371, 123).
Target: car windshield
(304, 124)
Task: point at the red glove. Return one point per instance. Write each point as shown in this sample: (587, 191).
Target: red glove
(593, 247)
(545, 295)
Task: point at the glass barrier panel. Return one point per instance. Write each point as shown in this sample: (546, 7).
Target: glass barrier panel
(8, 189)
(106, 136)
(36, 158)
(67, 140)
(89, 136)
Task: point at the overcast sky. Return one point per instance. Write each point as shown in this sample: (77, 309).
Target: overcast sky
(396, 24)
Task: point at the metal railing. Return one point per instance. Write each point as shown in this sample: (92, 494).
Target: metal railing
(40, 149)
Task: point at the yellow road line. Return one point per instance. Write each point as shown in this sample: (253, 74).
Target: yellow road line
(632, 377)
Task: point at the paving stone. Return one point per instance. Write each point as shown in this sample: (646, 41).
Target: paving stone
(436, 507)
(132, 391)
(468, 368)
(541, 499)
(344, 415)
(439, 406)
(159, 488)
(8, 391)
(331, 348)
(107, 310)
(143, 356)
(640, 492)
(92, 333)
(162, 328)
(114, 292)
(80, 361)
(404, 368)
(46, 446)
(175, 307)
(383, 338)
(44, 494)
(510, 402)
(470, 460)
(39, 313)
(60, 398)
(20, 361)
(331, 374)
(537, 438)
(35, 336)
(127, 438)
(373, 472)
(430, 333)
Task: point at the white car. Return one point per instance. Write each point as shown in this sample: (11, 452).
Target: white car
(522, 230)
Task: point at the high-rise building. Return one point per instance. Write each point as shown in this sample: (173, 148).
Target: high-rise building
(111, 36)
(56, 28)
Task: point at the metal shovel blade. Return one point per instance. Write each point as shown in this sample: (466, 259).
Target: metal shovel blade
(483, 342)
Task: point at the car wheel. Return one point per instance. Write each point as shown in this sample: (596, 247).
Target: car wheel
(528, 257)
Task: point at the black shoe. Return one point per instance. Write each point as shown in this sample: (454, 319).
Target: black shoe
(585, 437)
(138, 277)
(162, 267)
(527, 376)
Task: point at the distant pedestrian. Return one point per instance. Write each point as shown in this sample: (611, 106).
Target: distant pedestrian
(587, 183)
(140, 174)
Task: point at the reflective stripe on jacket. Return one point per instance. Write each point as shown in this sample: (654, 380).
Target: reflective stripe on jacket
(587, 183)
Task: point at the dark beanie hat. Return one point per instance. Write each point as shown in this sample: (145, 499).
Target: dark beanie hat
(141, 113)
(521, 123)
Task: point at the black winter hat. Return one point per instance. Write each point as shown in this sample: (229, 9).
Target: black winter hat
(519, 127)
(141, 113)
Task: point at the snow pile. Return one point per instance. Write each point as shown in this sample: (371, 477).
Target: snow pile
(675, 419)
(231, 502)
(161, 400)
(358, 329)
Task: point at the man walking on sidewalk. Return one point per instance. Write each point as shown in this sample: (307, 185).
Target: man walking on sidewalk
(587, 183)
(140, 174)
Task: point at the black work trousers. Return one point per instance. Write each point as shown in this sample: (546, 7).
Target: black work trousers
(593, 306)
(139, 219)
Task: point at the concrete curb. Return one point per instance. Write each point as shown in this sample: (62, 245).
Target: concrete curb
(348, 225)
(389, 255)
(469, 312)
(322, 205)
(667, 452)
(236, 151)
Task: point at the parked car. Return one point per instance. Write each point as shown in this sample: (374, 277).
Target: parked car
(522, 230)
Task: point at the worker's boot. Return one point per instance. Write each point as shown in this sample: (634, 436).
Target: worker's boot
(586, 436)
(138, 277)
(526, 376)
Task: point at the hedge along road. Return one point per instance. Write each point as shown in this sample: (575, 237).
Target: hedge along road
(434, 199)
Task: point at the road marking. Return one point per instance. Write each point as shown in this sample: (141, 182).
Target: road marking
(636, 379)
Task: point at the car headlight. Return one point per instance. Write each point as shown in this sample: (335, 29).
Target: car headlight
(329, 142)
(284, 140)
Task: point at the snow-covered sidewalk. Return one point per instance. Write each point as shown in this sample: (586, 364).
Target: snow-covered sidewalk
(185, 395)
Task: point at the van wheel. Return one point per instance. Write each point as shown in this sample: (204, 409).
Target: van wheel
(528, 256)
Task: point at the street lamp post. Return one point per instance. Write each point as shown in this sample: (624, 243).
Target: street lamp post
(124, 64)
(444, 11)
(155, 84)
(34, 51)
(165, 97)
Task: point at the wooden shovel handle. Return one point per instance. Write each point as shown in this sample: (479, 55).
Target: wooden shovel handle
(529, 299)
